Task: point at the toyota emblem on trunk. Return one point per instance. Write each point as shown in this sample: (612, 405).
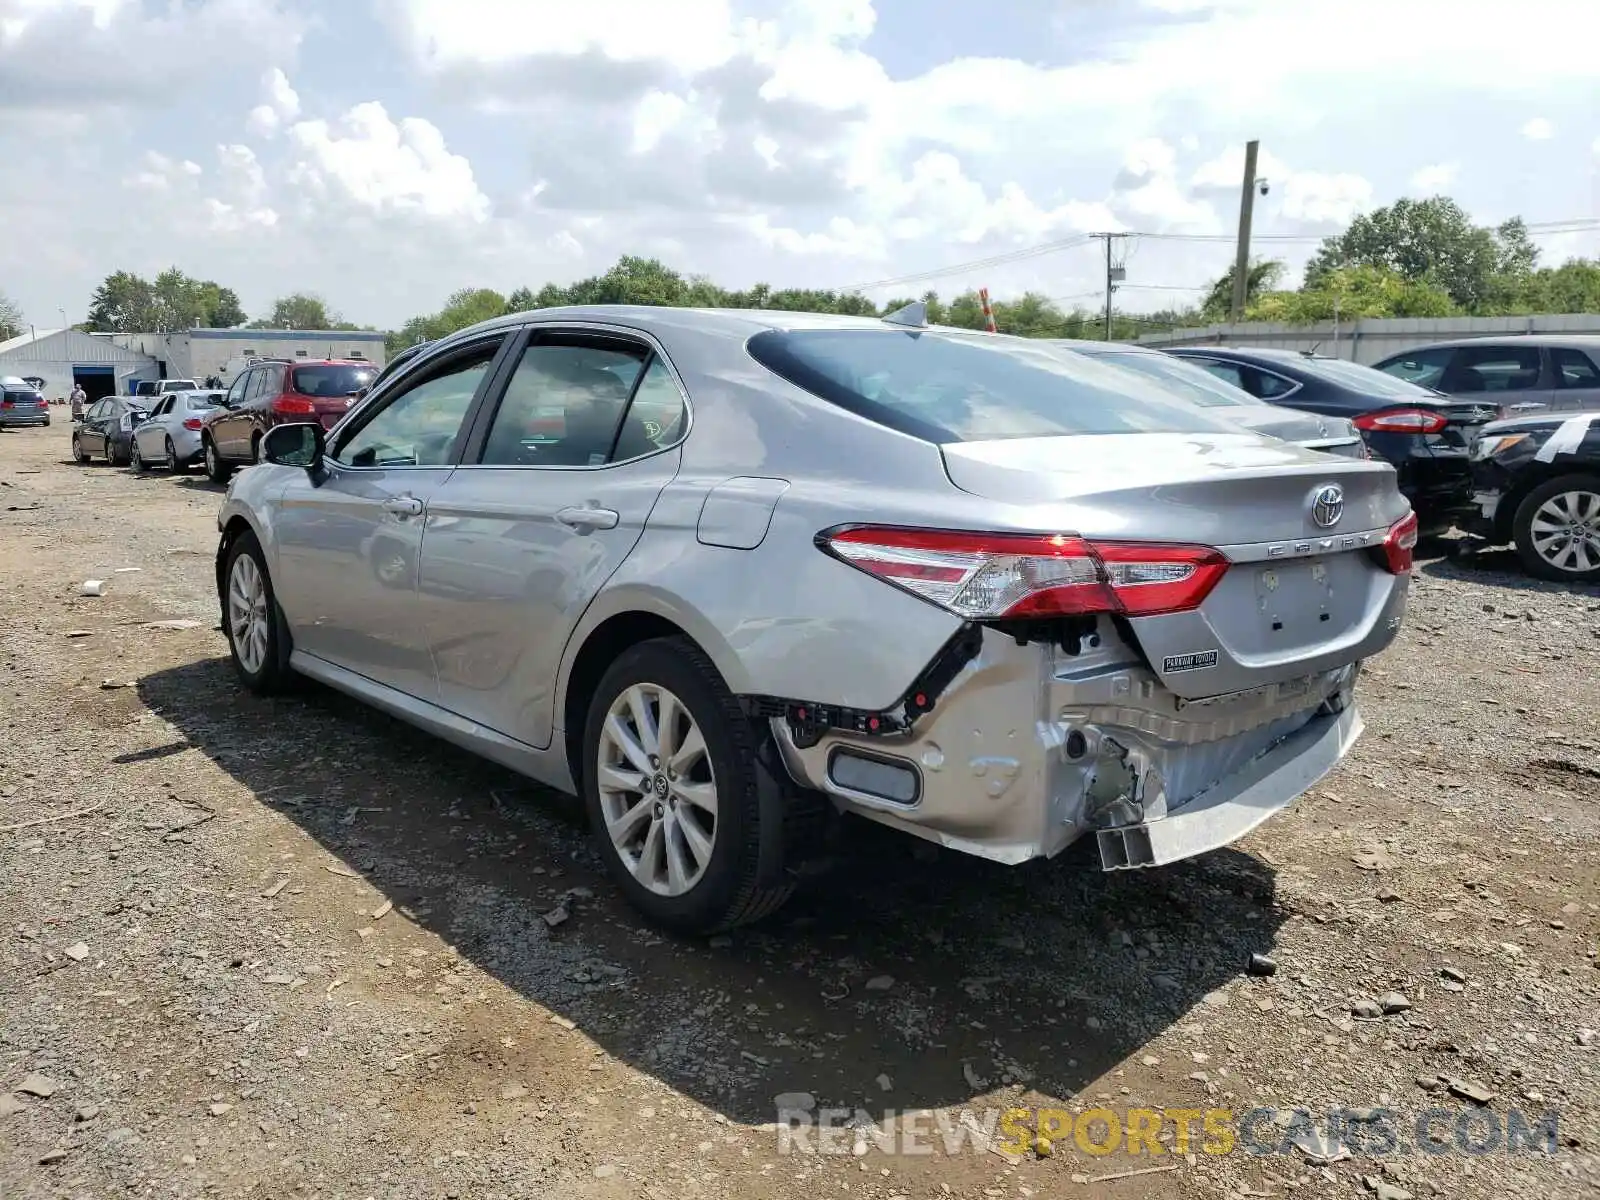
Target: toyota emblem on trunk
(1327, 506)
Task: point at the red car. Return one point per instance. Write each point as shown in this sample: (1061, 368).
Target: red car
(275, 391)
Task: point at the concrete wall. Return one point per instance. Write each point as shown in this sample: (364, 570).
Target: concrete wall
(1368, 341)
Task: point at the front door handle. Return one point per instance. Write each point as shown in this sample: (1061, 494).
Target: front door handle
(585, 517)
(403, 506)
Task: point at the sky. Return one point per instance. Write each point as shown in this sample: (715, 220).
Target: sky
(383, 153)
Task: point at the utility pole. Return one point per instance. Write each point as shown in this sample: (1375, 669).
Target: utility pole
(1114, 275)
(1241, 261)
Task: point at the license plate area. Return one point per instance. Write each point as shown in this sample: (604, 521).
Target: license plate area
(1296, 600)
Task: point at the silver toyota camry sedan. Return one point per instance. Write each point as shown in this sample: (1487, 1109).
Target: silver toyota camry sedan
(728, 574)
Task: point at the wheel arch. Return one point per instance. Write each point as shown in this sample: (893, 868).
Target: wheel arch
(608, 629)
(1534, 476)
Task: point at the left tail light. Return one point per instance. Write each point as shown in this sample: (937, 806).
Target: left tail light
(1400, 545)
(192, 423)
(1400, 420)
(987, 576)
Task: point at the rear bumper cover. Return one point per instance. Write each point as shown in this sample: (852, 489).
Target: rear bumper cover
(1030, 749)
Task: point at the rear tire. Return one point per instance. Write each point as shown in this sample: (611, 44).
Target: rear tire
(79, 454)
(217, 468)
(174, 464)
(683, 872)
(135, 459)
(258, 635)
(115, 457)
(1557, 529)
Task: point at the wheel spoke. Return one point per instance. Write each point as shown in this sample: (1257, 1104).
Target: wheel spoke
(692, 748)
(620, 737)
(678, 868)
(695, 838)
(650, 866)
(623, 829)
(701, 795)
(668, 714)
(643, 720)
(615, 779)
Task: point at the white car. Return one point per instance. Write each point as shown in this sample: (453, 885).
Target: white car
(170, 438)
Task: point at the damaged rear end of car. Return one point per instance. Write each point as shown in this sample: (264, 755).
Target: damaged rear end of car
(1157, 621)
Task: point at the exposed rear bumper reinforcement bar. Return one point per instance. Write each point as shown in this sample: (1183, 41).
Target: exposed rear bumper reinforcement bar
(1234, 807)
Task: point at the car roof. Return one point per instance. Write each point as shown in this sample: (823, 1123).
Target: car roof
(1266, 354)
(1579, 341)
(649, 316)
(1085, 346)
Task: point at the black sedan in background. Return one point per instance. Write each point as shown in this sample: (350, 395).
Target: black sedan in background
(1425, 435)
(107, 430)
(1537, 481)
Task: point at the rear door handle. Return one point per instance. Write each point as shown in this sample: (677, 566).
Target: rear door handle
(585, 517)
(403, 506)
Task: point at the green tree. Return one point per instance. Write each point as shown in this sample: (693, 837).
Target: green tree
(1573, 287)
(172, 302)
(300, 310)
(1432, 241)
(1353, 293)
(123, 303)
(1261, 278)
(11, 322)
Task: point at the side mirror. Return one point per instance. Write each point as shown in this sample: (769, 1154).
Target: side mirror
(300, 444)
(361, 394)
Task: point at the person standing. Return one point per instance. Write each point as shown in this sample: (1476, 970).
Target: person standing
(78, 397)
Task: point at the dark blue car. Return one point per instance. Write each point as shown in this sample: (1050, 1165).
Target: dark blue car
(1425, 435)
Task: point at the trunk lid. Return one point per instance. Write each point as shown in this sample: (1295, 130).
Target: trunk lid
(1328, 434)
(1301, 596)
(1465, 419)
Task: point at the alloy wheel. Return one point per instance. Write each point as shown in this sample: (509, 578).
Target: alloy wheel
(1565, 531)
(658, 793)
(247, 613)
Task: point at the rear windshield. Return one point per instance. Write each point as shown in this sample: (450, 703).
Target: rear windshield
(1367, 380)
(334, 379)
(951, 387)
(1195, 383)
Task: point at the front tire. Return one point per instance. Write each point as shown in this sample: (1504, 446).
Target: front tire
(217, 468)
(670, 779)
(258, 636)
(1557, 529)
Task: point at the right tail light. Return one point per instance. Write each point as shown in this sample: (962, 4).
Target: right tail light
(1400, 544)
(1400, 420)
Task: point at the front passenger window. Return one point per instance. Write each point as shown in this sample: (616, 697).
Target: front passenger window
(563, 405)
(418, 425)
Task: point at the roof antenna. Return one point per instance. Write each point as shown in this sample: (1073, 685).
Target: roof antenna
(912, 316)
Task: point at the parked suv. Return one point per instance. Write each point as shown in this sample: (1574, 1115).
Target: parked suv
(1521, 374)
(21, 403)
(270, 393)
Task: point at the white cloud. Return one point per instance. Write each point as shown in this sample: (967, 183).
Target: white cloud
(282, 105)
(1434, 178)
(375, 164)
(1539, 129)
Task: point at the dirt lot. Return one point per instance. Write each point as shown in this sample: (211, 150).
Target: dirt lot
(206, 991)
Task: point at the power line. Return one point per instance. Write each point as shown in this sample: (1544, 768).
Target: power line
(1536, 229)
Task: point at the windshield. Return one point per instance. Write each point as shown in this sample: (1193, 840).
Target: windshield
(949, 387)
(331, 379)
(1367, 380)
(1187, 379)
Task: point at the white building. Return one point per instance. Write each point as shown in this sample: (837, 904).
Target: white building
(201, 354)
(65, 356)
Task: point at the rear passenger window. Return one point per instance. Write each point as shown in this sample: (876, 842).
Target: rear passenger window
(1575, 369)
(655, 418)
(1270, 386)
(1491, 369)
(1226, 372)
(1423, 367)
(564, 404)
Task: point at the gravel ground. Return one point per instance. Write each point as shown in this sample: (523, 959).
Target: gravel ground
(280, 948)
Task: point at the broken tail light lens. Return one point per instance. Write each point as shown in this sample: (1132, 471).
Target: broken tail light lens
(1400, 420)
(1400, 544)
(987, 576)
